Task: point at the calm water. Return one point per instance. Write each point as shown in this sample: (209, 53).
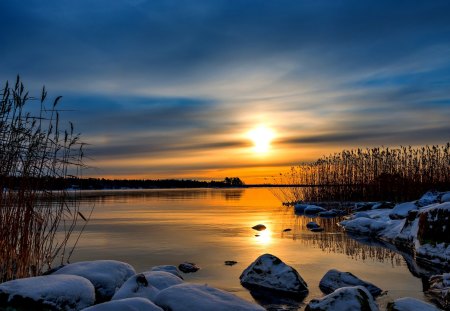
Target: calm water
(208, 226)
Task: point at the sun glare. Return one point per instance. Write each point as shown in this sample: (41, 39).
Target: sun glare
(261, 138)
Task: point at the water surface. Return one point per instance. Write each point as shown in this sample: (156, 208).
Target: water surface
(208, 226)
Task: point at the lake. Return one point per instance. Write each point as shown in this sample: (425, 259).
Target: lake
(208, 226)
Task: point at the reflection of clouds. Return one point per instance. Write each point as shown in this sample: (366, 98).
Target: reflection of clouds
(332, 239)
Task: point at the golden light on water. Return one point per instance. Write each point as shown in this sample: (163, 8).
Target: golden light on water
(264, 237)
(261, 137)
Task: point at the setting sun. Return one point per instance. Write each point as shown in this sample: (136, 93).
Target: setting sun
(261, 138)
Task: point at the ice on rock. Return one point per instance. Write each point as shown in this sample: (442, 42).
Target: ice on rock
(168, 268)
(106, 275)
(189, 297)
(50, 292)
(270, 273)
(401, 210)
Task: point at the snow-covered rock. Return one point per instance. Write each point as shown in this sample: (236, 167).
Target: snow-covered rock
(401, 210)
(383, 205)
(440, 289)
(300, 208)
(106, 275)
(335, 279)
(355, 298)
(188, 297)
(269, 272)
(410, 304)
(445, 197)
(188, 267)
(128, 304)
(168, 268)
(313, 210)
(328, 214)
(429, 198)
(146, 285)
(50, 292)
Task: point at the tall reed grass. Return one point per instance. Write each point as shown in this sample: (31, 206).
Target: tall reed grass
(35, 224)
(380, 173)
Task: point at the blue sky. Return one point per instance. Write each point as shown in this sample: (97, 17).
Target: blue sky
(169, 88)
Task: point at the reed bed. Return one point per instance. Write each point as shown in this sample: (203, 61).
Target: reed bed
(35, 223)
(381, 173)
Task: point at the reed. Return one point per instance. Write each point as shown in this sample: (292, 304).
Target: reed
(35, 224)
(380, 173)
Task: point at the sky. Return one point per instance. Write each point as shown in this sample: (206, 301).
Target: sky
(178, 89)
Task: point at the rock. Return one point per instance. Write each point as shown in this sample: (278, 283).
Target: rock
(335, 279)
(287, 230)
(429, 198)
(50, 292)
(355, 298)
(434, 224)
(312, 225)
(313, 210)
(188, 297)
(401, 210)
(410, 304)
(269, 272)
(383, 205)
(439, 289)
(168, 268)
(445, 197)
(188, 267)
(128, 304)
(230, 262)
(300, 208)
(328, 214)
(259, 227)
(146, 285)
(105, 275)
(363, 206)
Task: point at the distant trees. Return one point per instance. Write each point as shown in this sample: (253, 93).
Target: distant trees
(233, 182)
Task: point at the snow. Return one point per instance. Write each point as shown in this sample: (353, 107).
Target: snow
(411, 304)
(401, 210)
(128, 304)
(269, 272)
(64, 292)
(429, 198)
(345, 299)
(445, 197)
(335, 279)
(188, 297)
(146, 285)
(168, 268)
(106, 275)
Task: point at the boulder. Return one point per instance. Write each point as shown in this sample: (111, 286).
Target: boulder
(410, 304)
(355, 298)
(270, 273)
(313, 210)
(146, 285)
(168, 268)
(50, 292)
(312, 225)
(383, 205)
(188, 297)
(300, 208)
(128, 304)
(259, 227)
(106, 275)
(439, 289)
(434, 224)
(328, 214)
(188, 267)
(428, 198)
(335, 279)
(445, 197)
(401, 210)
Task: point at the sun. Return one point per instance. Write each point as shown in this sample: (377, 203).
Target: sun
(261, 137)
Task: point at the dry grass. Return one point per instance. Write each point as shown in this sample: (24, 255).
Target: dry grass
(368, 174)
(33, 149)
